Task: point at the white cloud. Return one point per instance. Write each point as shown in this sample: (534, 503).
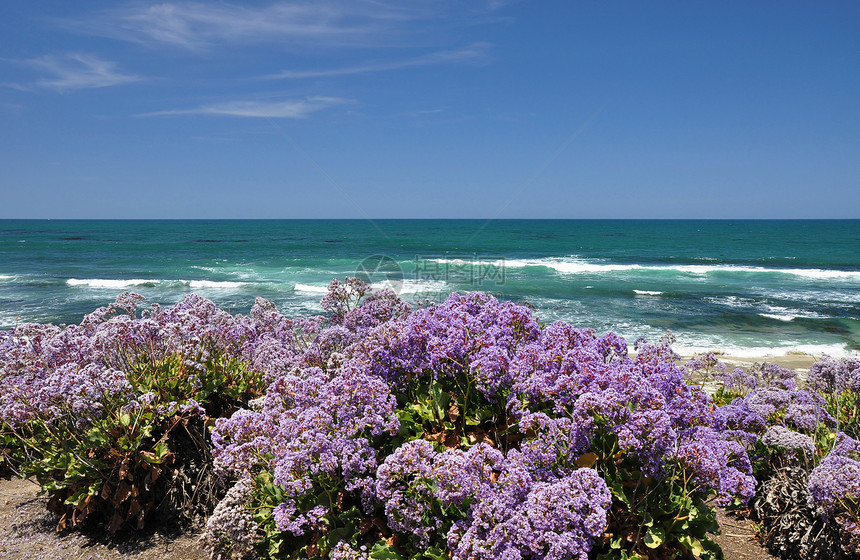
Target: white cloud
(473, 53)
(74, 71)
(198, 26)
(287, 109)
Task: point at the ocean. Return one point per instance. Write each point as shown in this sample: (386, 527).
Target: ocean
(748, 287)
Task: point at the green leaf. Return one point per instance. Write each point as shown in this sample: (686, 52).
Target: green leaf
(435, 553)
(95, 438)
(692, 544)
(654, 537)
(161, 449)
(383, 551)
(618, 492)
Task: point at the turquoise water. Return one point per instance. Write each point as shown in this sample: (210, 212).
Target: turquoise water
(750, 287)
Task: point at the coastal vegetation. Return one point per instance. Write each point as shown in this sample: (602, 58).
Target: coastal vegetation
(466, 429)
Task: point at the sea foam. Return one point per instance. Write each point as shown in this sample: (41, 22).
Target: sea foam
(311, 289)
(115, 284)
(575, 265)
(110, 284)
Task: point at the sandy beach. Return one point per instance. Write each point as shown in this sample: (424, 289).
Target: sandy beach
(798, 362)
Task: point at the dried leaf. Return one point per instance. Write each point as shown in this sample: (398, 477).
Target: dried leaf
(123, 491)
(115, 522)
(587, 460)
(453, 413)
(89, 505)
(124, 470)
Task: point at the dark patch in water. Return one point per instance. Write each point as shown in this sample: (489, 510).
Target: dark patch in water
(72, 238)
(220, 240)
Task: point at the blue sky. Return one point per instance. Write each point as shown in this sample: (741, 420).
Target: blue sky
(331, 109)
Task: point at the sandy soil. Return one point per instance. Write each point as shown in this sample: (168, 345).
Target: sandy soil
(798, 362)
(738, 539)
(27, 532)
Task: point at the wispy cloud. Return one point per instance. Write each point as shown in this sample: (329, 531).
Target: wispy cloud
(286, 109)
(476, 52)
(74, 71)
(197, 26)
(10, 106)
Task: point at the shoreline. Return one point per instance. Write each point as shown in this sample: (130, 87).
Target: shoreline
(799, 362)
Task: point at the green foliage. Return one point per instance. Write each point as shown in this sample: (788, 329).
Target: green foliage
(219, 383)
(12, 450)
(118, 467)
(672, 516)
(845, 407)
(342, 521)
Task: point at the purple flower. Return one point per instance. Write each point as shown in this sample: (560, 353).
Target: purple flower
(404, 483)
(459, 475)
(834, 485)
(831, 376)
(717, 463)
(231, 531)
(780, 436)
(738, 380)
(521, 518)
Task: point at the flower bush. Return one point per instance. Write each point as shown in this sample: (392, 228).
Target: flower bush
(468, 430)
(797, 433)
(461, 430)
(108, 416)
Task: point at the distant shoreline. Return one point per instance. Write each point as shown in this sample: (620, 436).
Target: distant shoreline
(798, 361)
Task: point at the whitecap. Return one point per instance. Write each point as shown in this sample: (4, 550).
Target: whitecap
(575, 265)
(110, 283)
(224, 284)
(311, 289)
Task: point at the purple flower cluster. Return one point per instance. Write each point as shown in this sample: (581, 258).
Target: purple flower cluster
(512, 510)
(231, 531)
(782, 437)
(831, 376)
(465, 426)
(473, 335)
(590, 381)
(459, 474)
(717, 462)
(520, 517)
(799, 409)
(312, 424)
(738, 380)
(343, 551)
(69, 373)
(834, 485)
(404, 483)
(706, 366)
